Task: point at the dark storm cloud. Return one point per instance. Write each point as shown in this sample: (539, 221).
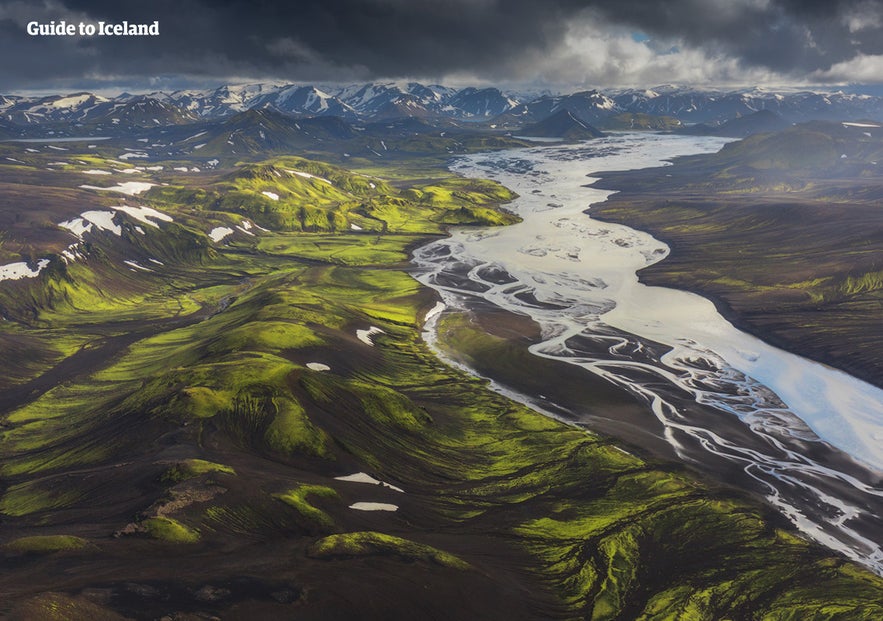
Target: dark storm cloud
(333, 40)
(784, 35)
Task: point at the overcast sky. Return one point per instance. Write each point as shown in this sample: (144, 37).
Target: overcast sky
(559, 44)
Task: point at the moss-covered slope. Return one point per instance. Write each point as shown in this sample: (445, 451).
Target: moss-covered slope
(215, 445)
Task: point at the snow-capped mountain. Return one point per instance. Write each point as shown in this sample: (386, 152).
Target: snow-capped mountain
(384, 101)
(224, 100)
(308, 100)
(139, 112)
(73, 107)
(588, 106)
(473, 102)
(697, 106)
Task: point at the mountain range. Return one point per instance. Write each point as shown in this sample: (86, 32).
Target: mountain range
(434, 103)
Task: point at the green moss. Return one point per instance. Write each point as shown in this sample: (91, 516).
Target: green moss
(30, 497)
(609, 534)
(294, 194)
(204, 402)
(370, 543)
(61, 607)
(269, 335)
(191, 468)
(171, 530)
(297, 498)
(46, 544)
(291, 431)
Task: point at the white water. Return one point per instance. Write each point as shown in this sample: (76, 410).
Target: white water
(576, 278)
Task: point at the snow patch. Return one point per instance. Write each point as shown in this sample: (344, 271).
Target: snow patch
(17, 271)
(318, 366)
(77, 226)
(365, 335)
(271, 195)
(361, 477)
(131, 188)
(137, 266)
(97, 172)
(103, 220)
(220, 232)
(144, 214)
(307, 175)
(374, 506)
(71, 254)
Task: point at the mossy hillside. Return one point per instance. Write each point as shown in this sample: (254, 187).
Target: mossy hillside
(369, 543)
(62, 607)
(352, 250)
(170, 530)
(641, 512)
(313, 196)
(31, 497)
(192, 468)
(234, 365)
(565, 513)
(299, 499)
(293, 194)
(46, 544)
(102, 282)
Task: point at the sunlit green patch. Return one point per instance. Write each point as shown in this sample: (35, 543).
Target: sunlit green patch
(171, 530)
(291, 431)
(269, 335)
(352, 249)
(32, 497)
(370, 543)
(190, 468)
(298, 499)
(294, 194)
(46, 544)
(61, 607)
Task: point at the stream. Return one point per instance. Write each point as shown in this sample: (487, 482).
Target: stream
(806, 436)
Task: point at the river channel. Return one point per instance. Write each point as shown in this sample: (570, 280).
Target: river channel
(808, 437)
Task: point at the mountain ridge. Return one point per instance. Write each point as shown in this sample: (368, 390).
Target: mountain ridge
(378, 100)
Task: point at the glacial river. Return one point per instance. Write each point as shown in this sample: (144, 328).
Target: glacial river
(809, 437)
